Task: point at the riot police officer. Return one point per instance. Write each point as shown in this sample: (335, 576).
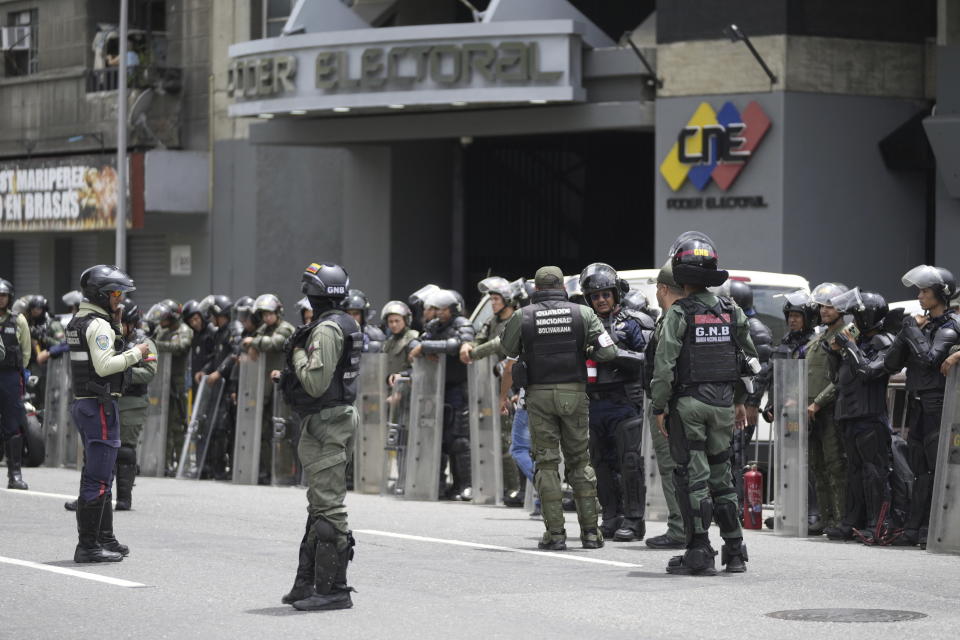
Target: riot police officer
(201, 345)
(98, 361)
(319, 383)
(858, 371)
(402, 338)
(133, 404)
(418, 305)
(220, 308)
(48, 340)
(552, 337)
(697, 380)
(15, 334)
(443, 336)
(486, 344)
(358, 306)
(668, 292)
(922, 345)
(616, 414)
(762, 339)
(175, 337)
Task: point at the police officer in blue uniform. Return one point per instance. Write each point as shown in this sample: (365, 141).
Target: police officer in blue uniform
(97, 362)
(15, 340)
(616, 406)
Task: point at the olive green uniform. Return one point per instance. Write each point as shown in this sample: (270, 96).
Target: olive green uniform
(665, 465)
(710, 427)
(326, 438)
(133, 409)
(559, 420)
(397, 349)
(825, 453)
(176, 341)
(269, 341)
(486, 344)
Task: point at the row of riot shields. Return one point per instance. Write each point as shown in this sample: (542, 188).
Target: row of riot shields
(943, 535)
(152, 455)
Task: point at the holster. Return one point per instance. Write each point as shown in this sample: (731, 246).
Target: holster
(102, 393)
(520, 379)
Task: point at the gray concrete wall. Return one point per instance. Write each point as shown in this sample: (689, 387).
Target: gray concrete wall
(367, 220)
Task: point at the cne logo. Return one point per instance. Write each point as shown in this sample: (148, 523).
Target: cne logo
(715, 145)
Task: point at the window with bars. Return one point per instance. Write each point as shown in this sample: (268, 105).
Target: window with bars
(275, 14)
(19, 40)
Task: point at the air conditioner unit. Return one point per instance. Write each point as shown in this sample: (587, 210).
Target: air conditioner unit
(17, 38)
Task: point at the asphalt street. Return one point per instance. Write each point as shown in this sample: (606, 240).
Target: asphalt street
(211, 560)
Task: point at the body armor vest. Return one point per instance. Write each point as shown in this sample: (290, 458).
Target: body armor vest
(343, 386)
(610, 375)
(553, 338)
(12, 359)
(858, 397)
(920, 375)
(709, 353)
(81, 362)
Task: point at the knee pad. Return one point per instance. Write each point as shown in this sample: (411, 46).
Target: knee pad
(583, 479)
(632, 463)
(459, 445)
(728, 519)
(127, 455)
(629, 434)
(324, 531)
(706, 512)
(868, 445)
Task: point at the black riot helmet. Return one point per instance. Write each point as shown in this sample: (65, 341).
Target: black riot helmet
(7, 287)
(800, 302)
(217, 305)
(600, 276)
(356, 300)
(37, 302)
(871, 313)
(103, 281)
(172, 310)
(636, 301)
(131, 313)
(742, 294)
(695, 261)
(571, 285)
(824, 292)
(939, 279)
(324, 281)
(191, 308)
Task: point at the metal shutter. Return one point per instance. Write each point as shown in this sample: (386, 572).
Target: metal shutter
(26, 265)
(83, 255)
(149, 261)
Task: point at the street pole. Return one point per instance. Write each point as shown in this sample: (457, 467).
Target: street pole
(121, 246)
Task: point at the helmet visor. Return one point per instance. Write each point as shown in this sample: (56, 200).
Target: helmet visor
(495, 284)
(922, 277)
(823, 293)
(848, 302)
(797, 298)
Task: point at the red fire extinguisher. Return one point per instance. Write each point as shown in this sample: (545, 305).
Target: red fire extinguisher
(591, 371)
(753, 499)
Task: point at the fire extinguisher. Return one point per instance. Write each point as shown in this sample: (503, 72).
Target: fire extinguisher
(591, 371)
(753, 498)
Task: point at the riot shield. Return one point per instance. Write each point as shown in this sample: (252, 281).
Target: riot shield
(153, 442)
(250, 405)
(56, 412)
(943, 535)
(285, 470)
(422, 454)
(790, 447)
(656, 502)
(368, 460)
(486, 460)
(203, 418)
(395, 442)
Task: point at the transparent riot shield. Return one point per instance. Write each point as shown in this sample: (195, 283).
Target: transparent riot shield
(790, 447)
(250, 406)
(656, 503)
(285, 468)
(56, 412)
(153, 442)
(422, 454)
(943, 535)
(368, 453)
(203, 417)
(486, 460)
(395, 442)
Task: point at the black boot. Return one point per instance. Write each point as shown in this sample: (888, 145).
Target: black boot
(303, 582)
(462, 476)
(553, 541)
(733, 555)
(630, 529)
(106, 538)
(839, 532)
(330, 578)
(698, 560)
(70, 506)
(88, 528)
(14, 447)
(126, 474)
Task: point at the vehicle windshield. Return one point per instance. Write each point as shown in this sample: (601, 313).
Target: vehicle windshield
(768, 301)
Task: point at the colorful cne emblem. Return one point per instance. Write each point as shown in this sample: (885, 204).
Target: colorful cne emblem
(715, 145)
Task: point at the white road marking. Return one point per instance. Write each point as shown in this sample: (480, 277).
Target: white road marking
(478, 545)
(117, 582)
(18, 492)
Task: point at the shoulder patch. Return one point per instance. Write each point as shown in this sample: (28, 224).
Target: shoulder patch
(103, 342)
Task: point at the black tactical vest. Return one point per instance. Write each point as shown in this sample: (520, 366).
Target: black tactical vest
(12, 359)
(553, 339)
(81, 364)
(709, 352)
(610, 375)
(343, 386)
(921, 376)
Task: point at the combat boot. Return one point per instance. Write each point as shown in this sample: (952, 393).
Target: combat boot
(70, 506)
(513, 499)
(733, 555)
(698, 560)
(14, 450)
(631, 529)
(817, 528)
(591, 538)
(303, 582)
(840, 532)
(609, 525)
(330, 578)
(665, 542)
(106, 538)
(126, 474)
(88, 529)
(553, 541)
